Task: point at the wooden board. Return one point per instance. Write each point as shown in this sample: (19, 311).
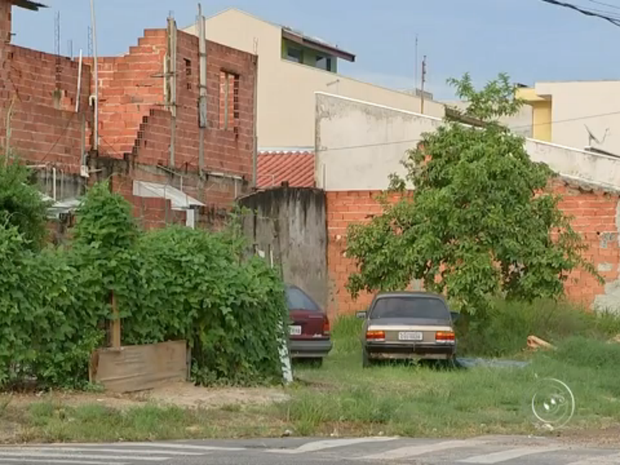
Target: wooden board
(138, 368)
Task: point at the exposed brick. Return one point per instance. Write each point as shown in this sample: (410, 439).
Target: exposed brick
(595, 218)
(134, 126)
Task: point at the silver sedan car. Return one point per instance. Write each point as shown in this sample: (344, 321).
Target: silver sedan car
(408, 325)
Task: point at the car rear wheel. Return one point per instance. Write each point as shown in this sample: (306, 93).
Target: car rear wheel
(366, 362)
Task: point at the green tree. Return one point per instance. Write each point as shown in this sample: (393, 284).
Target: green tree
(21, 205)
(105, 237)
(482, 221)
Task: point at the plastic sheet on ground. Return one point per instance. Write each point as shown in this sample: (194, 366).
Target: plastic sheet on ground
(491, 363)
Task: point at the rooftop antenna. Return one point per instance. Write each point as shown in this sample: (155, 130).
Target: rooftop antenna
(89, 48)
(592, 137)
(423, 83)
(415, 88)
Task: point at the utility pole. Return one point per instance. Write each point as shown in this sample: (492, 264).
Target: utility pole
(415, 85)
(96, 75)
(423, 82)
(202, 101)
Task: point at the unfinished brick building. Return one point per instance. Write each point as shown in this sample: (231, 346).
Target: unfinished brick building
(148, 142)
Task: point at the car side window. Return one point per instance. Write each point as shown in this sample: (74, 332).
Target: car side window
(299, 300)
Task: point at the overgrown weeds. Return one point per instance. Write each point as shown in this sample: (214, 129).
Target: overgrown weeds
(411, 400)
(171, 284)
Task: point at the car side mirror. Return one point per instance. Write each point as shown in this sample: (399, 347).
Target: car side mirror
(361, 315)
(455, 316)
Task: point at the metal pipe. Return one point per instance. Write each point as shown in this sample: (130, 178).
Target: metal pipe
(9, 115)
(96, 70)
(79, 85)
(54, 183)
(202, 102)
(255, 115)
(172, 57)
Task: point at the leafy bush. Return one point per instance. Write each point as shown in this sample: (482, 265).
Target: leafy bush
(21, 205)
(192, 285)
(506, 330)
(169, 284)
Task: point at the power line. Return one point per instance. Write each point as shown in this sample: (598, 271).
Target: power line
(616, 7)
(363, 146)
(580, 118)
(583, 11)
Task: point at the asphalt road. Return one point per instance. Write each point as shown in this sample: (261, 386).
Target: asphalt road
(358, 451)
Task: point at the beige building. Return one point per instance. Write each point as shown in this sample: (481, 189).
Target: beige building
(580, 114)
(292, 67)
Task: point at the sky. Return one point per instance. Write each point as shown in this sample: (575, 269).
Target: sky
(528, 39)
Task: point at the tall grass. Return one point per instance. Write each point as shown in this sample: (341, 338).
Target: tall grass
(408, 400)
(505, 332)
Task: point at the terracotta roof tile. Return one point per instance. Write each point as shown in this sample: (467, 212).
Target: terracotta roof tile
(273, 168)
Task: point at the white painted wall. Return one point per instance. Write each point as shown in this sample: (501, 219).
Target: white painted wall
(286, 104)
(520, 123)
(579, 103)
(359, 144)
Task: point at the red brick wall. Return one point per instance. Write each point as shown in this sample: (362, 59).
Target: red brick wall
(5, 22)
(344, 208)
(134, 127)
(44, 125)
(133, 121)
(596, 218)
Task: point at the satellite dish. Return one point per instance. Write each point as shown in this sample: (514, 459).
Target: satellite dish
(592, 137)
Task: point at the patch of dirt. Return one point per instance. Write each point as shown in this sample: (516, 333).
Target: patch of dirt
(594, 437)
(190, 396)
(184, 395)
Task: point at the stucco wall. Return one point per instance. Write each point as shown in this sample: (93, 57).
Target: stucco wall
(358, 144)
(285, 89)
(291, 224)
(580, 103)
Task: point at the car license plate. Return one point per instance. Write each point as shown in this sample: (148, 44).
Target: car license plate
(410, 336)
(295, 330)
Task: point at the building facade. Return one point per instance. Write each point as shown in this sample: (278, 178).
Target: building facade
(292, 67)
(148, 142)
(580, 114)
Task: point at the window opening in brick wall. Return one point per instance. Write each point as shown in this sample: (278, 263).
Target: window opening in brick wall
(229, 101)
(188, 73)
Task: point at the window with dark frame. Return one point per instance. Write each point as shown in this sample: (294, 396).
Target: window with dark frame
(295, 54)
(229, 101)
(324, 62)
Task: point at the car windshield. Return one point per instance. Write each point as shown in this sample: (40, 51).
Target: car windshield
(410, 307)
(299, 300)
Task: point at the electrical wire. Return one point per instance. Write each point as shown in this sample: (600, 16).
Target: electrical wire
(583, 11)
(600, 115)
(616, 7)
(62, 134)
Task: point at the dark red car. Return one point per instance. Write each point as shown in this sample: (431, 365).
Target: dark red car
(309, 331)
